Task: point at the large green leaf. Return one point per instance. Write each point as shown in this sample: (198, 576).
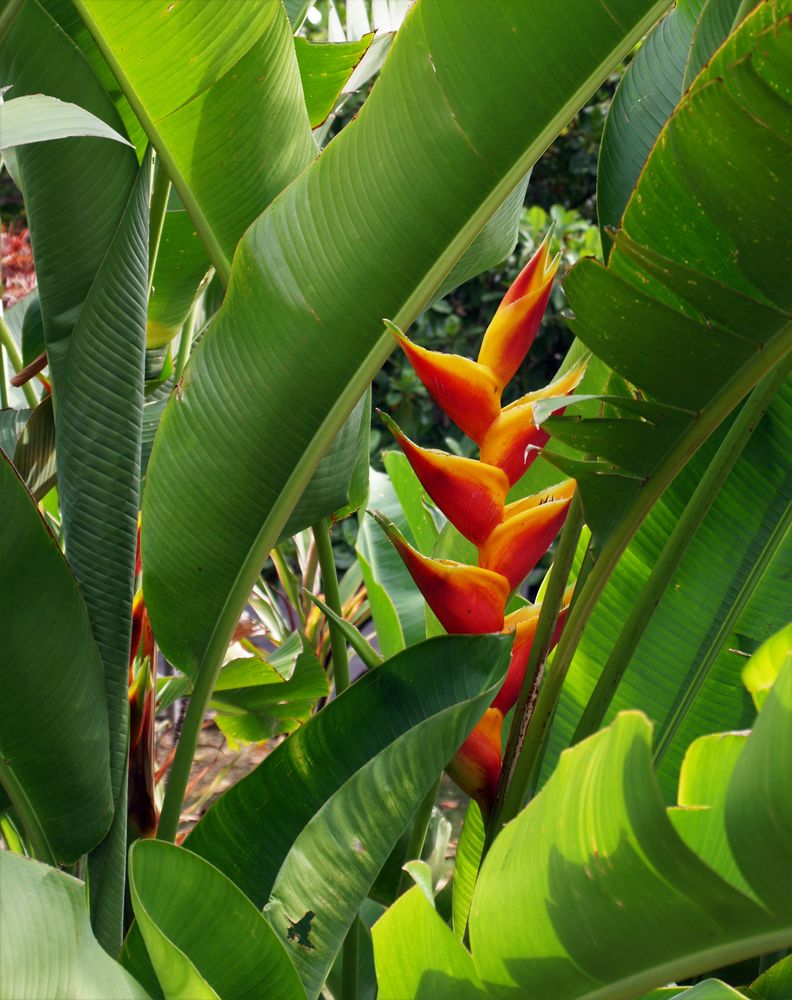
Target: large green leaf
(315, 275)
(338, 807)
(716, 20)
(46, 941)
(204, 937)
(590, 893)
(38, 118)
(53, 721)
(324, 70)
(197, 111)
(75, 189)
(100, 412)
(646, 96)
(669, 676)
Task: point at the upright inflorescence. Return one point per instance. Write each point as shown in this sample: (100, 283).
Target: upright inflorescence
(472, 493)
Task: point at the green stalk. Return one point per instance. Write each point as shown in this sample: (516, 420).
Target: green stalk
(159, 205)
(179, 776)
(288, 581)
(517, 764)
(420, 828)
(338, 647)
(7, 341)
(589, 590)
(7, 15)
(3, 386)
(680, 538)
(349, 968)
(715, 647)
(185, 342)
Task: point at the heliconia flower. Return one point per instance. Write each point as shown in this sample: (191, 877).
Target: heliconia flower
(142, 815)
(471, 494)
(513, 440)
(529, 526)
(467, 391)
(509, 336)
(467, 600)
(476, 766)
(523, 623)
(138, 616)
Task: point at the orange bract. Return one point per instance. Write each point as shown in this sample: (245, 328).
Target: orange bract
(471, 494)
(476, 765)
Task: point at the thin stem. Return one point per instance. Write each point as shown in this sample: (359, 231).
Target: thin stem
(3, 386)
(338, 647)
(349, 967)
(288, 581)
(185, 342)
(185, 750)
(8, 14)
(159, 206)
(7, 341)
(675, 548)
(420, 828)
(34, 832)
(517, 763)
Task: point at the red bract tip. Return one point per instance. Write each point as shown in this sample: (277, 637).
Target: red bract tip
(468, 600)
(513, 440)
(468, 392)
(529, 526)
(518, 318)
(476, 765)
(471, 494)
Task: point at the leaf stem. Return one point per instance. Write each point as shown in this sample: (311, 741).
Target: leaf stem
(520, 756)
(678, 541)
(185, 342)
(420, 827)
(349, 967)
(159, 206)
(288, 581)
(7, 15)
(36, 837)
(3, 386)
(338, 647)
(7, 341)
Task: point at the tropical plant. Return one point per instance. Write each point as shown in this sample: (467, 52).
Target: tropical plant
(208, 345)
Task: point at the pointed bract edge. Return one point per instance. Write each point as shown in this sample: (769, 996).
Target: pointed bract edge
(516, 546)
(513, 440)
(511, 333)
(466, 391)
(471, 494)
(467, 600)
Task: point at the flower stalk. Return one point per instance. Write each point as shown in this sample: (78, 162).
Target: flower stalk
(510, 538)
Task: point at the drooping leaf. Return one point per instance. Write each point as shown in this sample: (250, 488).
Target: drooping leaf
(100, 412)
(204, 937)
(53, 720)
(320, 269)
(38, 118)
(466, 867)
(337, 815)
(647, 94)
(46, 941)
(78, 185)
(242, 57)
(590, 892)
